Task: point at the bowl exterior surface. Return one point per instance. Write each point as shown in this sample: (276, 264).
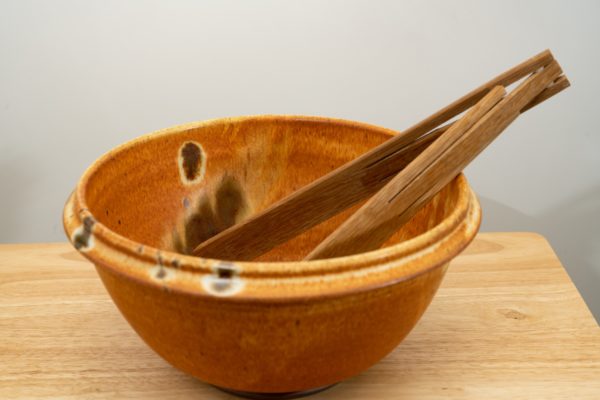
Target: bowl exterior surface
(262, 347)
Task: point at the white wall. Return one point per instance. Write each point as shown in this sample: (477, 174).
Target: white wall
(78, 78)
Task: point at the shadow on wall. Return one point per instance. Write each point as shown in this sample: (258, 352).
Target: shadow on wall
(573, 229)
(15, 183)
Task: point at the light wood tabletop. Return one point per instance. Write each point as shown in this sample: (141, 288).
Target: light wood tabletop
(507, 323)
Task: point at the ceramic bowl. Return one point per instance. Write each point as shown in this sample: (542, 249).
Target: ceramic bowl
(274, 325)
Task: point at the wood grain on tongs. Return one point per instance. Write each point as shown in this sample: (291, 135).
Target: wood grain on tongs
(391, 207)
(356, 180)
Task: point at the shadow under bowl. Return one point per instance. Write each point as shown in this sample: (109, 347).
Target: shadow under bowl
(274, 325)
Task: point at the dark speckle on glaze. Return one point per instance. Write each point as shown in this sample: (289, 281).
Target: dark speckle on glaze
(88, 223)
(225, 271)
(191, 155)
(224, 281)
(230, 201)
(81, 240)
(161, 273)
(200, 226)
(206, 221)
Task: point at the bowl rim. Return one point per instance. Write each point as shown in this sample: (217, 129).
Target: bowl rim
(115, 251)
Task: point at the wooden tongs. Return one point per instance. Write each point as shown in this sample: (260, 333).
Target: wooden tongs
(404, 172)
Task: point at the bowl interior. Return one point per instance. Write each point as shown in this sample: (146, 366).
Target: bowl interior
(176, 188)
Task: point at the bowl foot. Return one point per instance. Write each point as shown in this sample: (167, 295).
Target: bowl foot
(274, 396)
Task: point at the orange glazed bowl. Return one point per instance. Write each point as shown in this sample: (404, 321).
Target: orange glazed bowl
(274, 325)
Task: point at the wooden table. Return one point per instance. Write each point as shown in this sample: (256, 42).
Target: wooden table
(507, 323)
